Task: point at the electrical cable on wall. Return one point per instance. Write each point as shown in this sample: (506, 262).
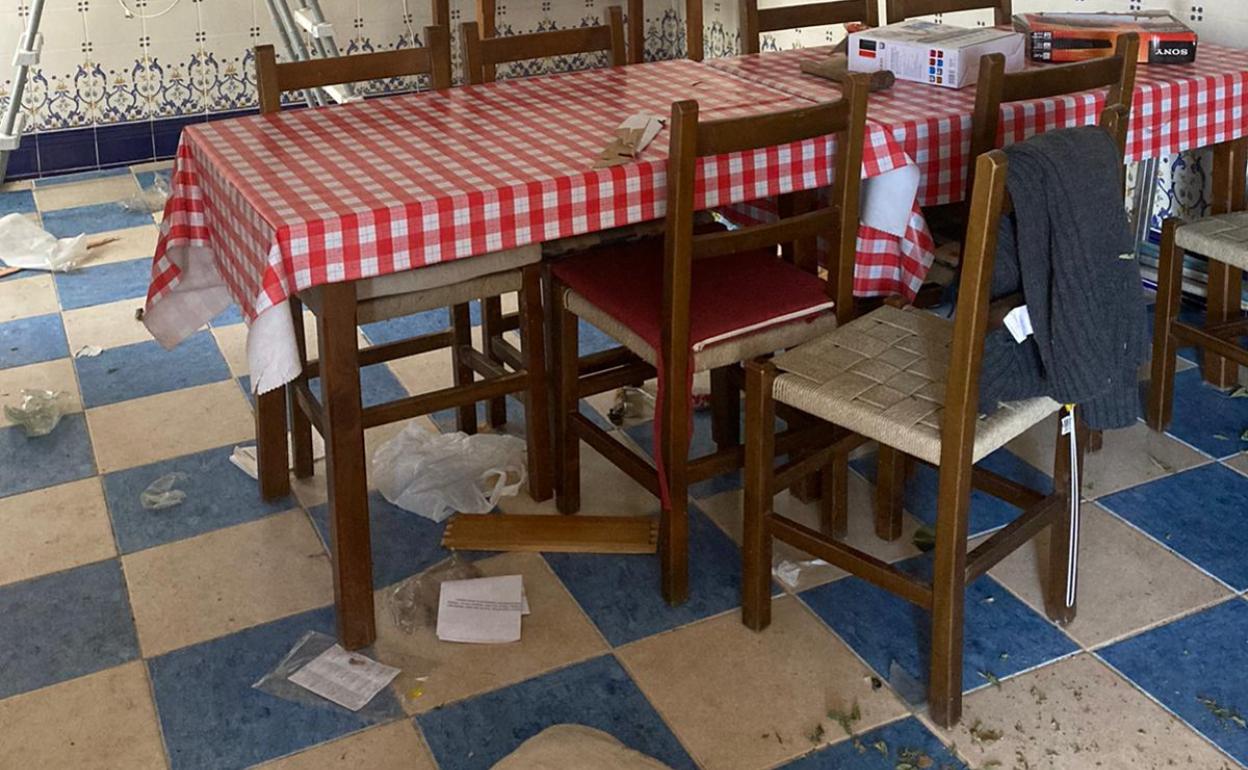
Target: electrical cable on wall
(132, 15)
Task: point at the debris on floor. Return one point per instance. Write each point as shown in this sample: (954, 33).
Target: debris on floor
(244, 458)
(39, 412)
(148, 200)
(1225, 715)
(26, 245)
(162, 493)
(630, 403)
(924, 538)
(484, 610)
(5, 272)
(318, 669)
(88, 351)
(790, 572)
(846, 718)
(413, 602)
(437, 474)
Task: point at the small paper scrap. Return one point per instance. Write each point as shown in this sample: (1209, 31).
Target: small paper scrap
(631, 137)
(88, 351)
(481, 610)
(346, 678)
(790, 573)
(244, 458)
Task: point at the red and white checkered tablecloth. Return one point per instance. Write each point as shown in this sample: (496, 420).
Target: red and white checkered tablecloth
(265, 206)
(1176, 107)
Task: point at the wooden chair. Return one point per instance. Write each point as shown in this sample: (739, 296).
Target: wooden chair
(755, 21)
(1223, 239)
(900, 10)
(451, 284)
(910, 380)
(482, 53)
(664, 301)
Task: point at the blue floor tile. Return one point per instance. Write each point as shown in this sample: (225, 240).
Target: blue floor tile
(620, 593)
(1194, 664)
(229, 317)
(97, 218)
(405, 327)
(217, 495)
(377, 385)
(32, 340)
(987, 512)
(900, 738)
(403, 542)
(700, 444)
(213, 718)
(43, 461)
(516, 425)
(105, 283)
(1200, 513)
(146, 368)
(476, 733)
(17, 202)
(64, 625)
(592, 340)
(1003, 635)
(147, 178)
(1207, 418)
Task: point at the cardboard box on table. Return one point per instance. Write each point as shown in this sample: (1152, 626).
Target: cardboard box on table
(938, 54)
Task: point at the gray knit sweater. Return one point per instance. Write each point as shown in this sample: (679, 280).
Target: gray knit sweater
(1069, 248)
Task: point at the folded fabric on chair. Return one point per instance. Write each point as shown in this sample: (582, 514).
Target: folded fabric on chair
(1069, 248)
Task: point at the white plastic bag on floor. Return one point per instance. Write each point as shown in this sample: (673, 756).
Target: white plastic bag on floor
(26, 245)
(437, 474)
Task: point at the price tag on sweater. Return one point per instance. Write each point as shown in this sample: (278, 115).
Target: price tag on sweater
(1018, 321)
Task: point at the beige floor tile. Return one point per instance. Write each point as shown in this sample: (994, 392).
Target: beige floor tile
(131, 243)
(1239, 462)
(726, 510)
(741, 699)
(86, 193)
(426, 372)
(396, 746)
(98, 722)
(52, 529)
(144, 430)
(1129, 457)
(213, 584)
(1077, 714)
(556, 633)
(605, 490)
(109, 326)
(49, 375)
(151, 165)
(24, 184)
(1126, 581)
(27, 297)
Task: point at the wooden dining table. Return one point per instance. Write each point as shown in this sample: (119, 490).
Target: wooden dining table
(265, 206)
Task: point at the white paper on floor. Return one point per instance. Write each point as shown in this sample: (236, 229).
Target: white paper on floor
(346, 678)
(481, 610)
(26, 245)
(790, 573)
(88, 351)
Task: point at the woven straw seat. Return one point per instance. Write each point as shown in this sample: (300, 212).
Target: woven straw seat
(1223, 237)
(883, 376)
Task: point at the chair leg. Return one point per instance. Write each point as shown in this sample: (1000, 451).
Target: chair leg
(760, 433)
(890, 487)
(300, 425)
(1059, 595)
(536, 414)
(674, 519)
(492, 332)
(725, 408)
(949, 595)
(271, 457)
(834, 502)
(461, 334)
(1165, 346)
(568, 446)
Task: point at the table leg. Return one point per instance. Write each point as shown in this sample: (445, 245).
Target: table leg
(1225, 287)
(344, 464)
(272, 460)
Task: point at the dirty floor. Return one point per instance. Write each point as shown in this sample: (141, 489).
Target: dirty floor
(130, 638)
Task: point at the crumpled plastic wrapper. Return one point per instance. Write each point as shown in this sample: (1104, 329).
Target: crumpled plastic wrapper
(162, 494)
(414, 602)
(39, 412)
(149, 200)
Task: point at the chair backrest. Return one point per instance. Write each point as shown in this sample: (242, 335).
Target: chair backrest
(482, 54)
(900, 10)
(272, 79)
(692, 139)
(996, 87)
(988, 200)
(755, 20)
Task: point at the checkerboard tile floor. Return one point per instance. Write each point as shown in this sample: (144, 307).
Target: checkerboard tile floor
(130, 638)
